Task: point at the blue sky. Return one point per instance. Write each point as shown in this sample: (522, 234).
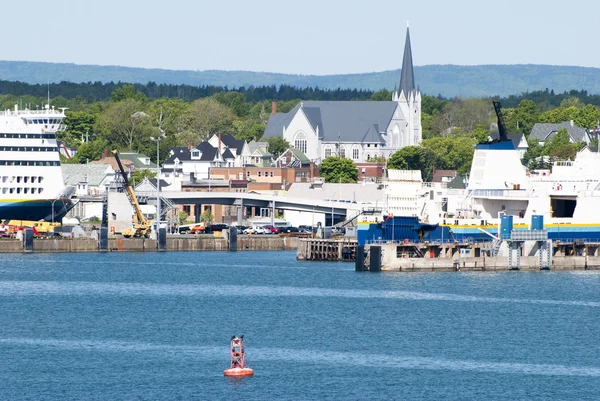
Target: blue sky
(300, 37)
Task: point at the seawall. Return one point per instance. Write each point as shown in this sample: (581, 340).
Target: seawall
(58, 245)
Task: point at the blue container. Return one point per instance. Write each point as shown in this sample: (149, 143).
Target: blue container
(537, 222)
(506, 226)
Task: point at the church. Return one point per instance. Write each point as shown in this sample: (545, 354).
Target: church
(359, 130)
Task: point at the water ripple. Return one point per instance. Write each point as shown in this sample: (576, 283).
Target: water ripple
(383, 361)
(79, 288)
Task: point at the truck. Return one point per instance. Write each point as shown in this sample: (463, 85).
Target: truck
(141, 225)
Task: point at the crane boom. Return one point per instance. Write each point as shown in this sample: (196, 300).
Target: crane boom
(141, 225)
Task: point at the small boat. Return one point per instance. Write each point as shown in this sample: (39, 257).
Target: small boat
(237, 367)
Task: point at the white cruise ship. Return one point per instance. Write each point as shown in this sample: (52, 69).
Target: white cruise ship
(31, 182)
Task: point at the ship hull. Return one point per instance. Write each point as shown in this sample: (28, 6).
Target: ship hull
(34, 210)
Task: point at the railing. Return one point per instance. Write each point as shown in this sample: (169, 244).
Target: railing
(44, 112)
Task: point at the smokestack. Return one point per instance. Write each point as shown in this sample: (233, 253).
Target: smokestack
(274, 108)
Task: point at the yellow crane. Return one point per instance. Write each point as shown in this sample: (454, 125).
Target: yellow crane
(141, 225)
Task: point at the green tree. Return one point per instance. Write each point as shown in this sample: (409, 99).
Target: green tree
(139, 175)
(125, 125)
(382, 95)
(235, 101)
(207, 217)
(337, 169)
(407, 158)
(90, 151)
(203, 119)
(79, 127)
(248, 129)
(588, 117)
(127, 91)
(277, 145)
(533, 157)
(415, 158)
(526, 115)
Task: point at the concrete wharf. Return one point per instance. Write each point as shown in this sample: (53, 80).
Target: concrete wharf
(430, 257)
(172, 243)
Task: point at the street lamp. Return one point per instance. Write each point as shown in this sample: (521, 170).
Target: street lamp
(157, 140)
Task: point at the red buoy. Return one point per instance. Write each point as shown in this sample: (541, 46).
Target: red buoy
(237, 367)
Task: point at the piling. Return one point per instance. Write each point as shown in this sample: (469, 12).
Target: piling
(359, 263)
(375, 258)
(162, 239)
(233, 239)
(103, 239)
(28, 239)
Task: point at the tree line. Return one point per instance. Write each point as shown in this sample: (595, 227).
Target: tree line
(99, 91)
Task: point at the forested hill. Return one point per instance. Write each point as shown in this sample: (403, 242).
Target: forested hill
(445, 80)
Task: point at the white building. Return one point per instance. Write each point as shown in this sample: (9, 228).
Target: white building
(359, 130)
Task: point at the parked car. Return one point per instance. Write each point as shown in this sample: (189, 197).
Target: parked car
(271, 229)
(218, 227)
(241, 229)
(287, 230)
(198, 229)
(307, 229)
(255, 230)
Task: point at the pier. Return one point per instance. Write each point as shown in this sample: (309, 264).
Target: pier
(172, 244)
(518, 254)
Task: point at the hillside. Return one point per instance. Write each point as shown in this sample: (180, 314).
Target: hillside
(446, 80)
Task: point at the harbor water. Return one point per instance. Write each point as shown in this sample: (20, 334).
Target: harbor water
(156, 326)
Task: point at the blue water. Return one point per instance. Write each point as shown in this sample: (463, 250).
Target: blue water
(157, 326)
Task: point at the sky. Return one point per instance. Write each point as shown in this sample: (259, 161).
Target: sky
(300, 37)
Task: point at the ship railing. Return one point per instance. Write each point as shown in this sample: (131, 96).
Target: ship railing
(504, 193)
(45, 112)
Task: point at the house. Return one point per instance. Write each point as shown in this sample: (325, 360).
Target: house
(519, 141)
(88, 179)
(545, 132)
(112, 162)
(236, 147)
(443, 175)
(257, 153)
(359, 130)
(139, 160)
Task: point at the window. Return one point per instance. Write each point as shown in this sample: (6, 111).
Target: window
(355, 153)
(327, 152)
(248, 174)
(271, 174)
(195, 154)
(342, 152)
(258, 174)
(300, 142)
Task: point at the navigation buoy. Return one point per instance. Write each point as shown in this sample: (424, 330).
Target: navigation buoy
(237, 367)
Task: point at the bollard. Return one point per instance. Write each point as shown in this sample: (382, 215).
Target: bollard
(28, 239)
(233, 239)
(162, 239)
(103, 239)
(359, 263)
(375, 258)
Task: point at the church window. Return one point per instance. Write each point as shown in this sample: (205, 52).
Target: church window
(355, 153)
(327, 151)
(342, 152)
(300, 142)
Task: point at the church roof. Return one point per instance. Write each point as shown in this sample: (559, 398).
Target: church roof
(407, 76)
(350, 120)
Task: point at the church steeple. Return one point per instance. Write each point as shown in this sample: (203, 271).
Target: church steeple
(407, 77)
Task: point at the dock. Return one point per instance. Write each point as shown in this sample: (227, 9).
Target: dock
(520, 254)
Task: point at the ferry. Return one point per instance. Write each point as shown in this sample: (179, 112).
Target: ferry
(566, 196)
(31, 181)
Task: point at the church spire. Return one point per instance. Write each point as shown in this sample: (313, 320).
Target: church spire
(407, 77)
